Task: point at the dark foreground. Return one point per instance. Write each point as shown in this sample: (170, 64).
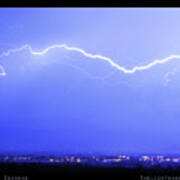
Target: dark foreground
(17, 171)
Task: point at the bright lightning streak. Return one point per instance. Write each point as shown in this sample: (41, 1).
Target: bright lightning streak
(89, 55)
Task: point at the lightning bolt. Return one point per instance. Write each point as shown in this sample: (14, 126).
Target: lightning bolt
(89, 55)
(89, 75)
(2, 71)
(168, 74)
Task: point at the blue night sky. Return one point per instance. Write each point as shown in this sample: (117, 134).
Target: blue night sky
(65, 102)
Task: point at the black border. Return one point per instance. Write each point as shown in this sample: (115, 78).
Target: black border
(89, 3)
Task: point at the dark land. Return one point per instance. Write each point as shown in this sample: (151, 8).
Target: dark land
(124, 167)
(49, 171)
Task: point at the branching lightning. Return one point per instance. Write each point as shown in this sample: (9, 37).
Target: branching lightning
(89, 55)
(2, 71)
(168, 74)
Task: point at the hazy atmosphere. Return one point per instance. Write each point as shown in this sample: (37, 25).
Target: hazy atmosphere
(90, 80)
